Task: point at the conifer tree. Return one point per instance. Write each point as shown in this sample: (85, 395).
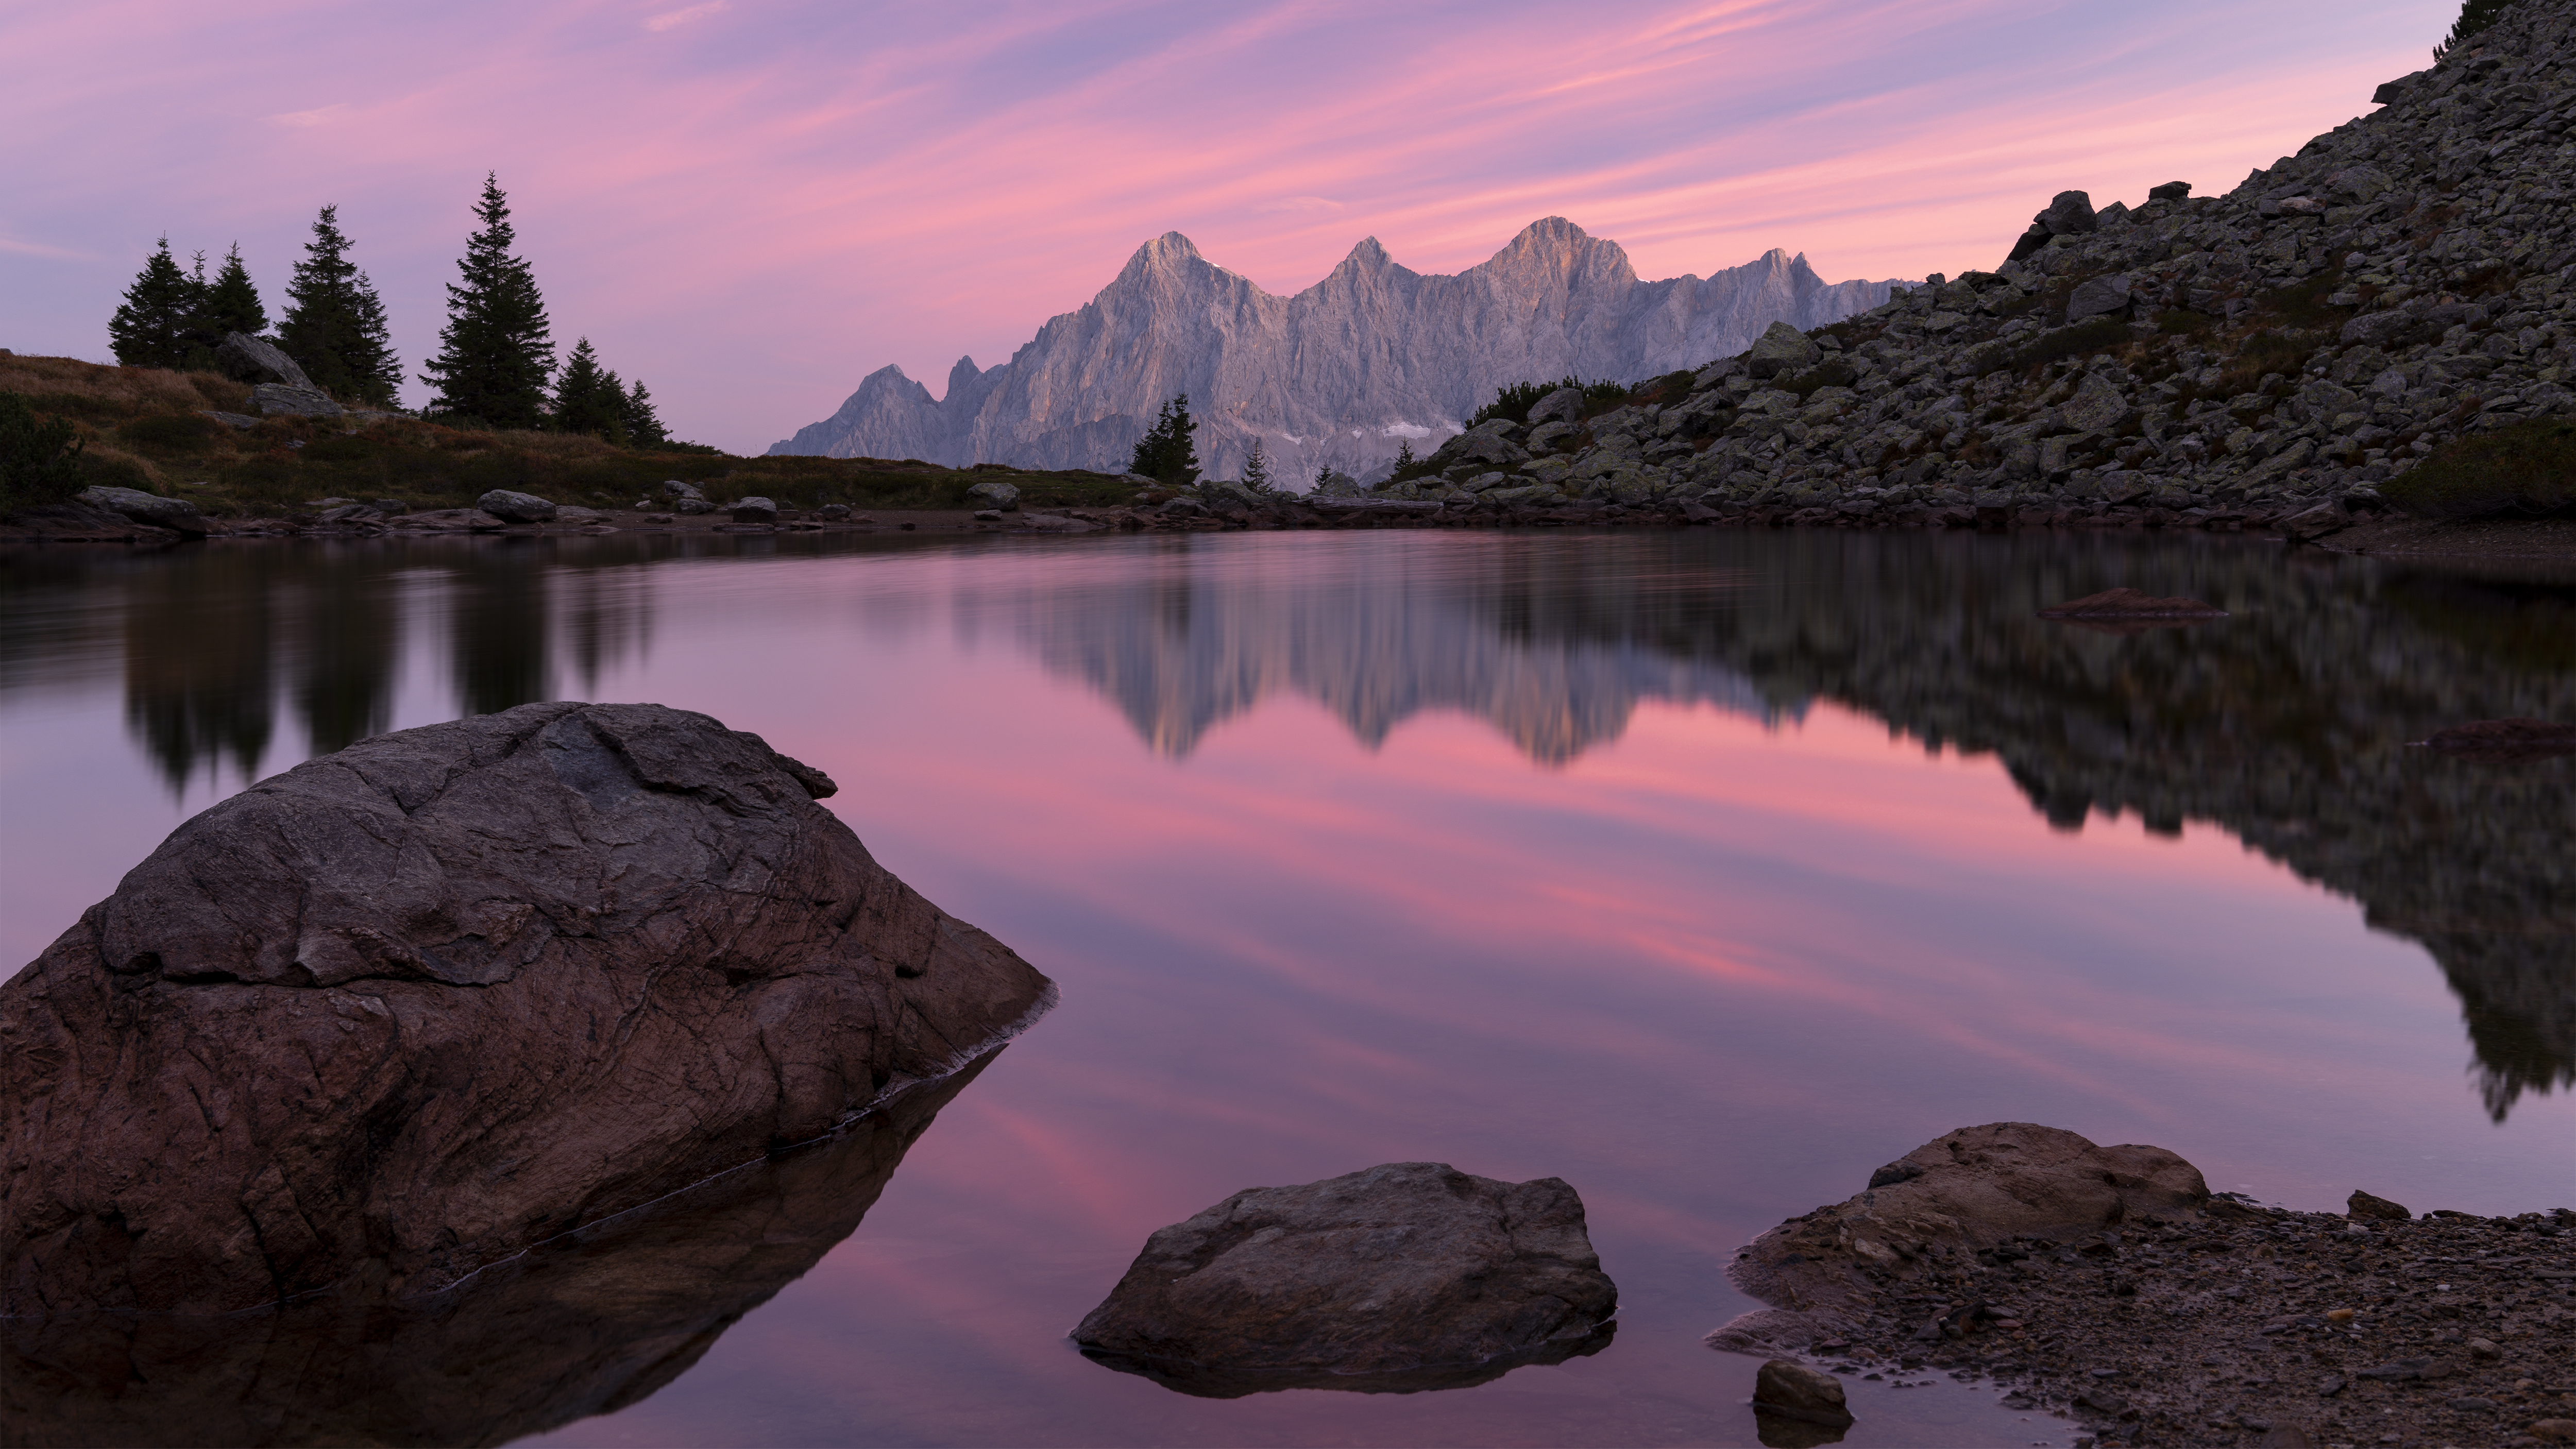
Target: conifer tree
(231, 303)
(1403, 456)
(643, 425)
(1256, 469)
(497, 349)
(155, 325)
(1167, 453)
(2475, 15)
(335, 326)
(589, 399)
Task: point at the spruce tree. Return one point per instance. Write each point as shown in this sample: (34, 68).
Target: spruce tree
(643, 425)
(497, 349)
(589, 399)
(335, 326)
(1166, 453)
(231, 303)
(155, 325)
(1403, 457)
(1256, 469)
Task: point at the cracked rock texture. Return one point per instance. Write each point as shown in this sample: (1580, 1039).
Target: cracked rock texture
(1407, 1275)
(407, 1009)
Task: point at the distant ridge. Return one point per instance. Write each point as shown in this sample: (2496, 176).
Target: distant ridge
(1341, 373)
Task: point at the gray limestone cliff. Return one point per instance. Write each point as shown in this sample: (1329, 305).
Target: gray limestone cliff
(1372, 356)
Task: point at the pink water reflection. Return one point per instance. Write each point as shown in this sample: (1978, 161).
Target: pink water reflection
(1310, 912)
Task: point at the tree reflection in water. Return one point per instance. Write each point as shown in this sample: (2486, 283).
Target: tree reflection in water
(2285, 724)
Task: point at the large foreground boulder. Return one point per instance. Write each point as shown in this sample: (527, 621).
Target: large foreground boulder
(405, 1010)
(1406, 1276)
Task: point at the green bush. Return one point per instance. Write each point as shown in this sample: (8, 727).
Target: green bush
(2527, 469)
(40, 460)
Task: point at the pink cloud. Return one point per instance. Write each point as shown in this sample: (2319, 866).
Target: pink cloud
(752, 206)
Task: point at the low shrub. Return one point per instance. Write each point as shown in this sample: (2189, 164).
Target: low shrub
(187, 431)
(1514, 402)
(40, 458)
(2526, 469)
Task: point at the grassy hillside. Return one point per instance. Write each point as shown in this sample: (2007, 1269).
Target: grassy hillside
(145, 428)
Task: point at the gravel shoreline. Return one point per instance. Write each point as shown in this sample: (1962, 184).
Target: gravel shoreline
(2221, 1323)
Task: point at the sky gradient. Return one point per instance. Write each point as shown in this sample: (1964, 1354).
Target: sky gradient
(753, 203)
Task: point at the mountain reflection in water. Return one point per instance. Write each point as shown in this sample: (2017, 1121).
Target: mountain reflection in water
(2285, 724)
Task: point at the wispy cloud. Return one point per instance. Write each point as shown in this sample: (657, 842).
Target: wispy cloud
(318, 116)
(755, 224)
(670, 19)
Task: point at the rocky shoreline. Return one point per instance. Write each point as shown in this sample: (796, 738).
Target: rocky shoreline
(2107, 1284)
(2346, 525)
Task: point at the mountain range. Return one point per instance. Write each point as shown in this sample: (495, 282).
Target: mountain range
(1341, 374)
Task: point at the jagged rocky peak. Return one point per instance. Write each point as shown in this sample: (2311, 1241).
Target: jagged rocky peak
(1339, 375)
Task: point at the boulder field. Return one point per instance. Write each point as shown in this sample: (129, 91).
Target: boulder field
(2258, 358)
(406, 1010)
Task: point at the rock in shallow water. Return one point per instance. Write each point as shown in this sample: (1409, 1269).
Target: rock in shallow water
(407, 1009)
(1409, 1275)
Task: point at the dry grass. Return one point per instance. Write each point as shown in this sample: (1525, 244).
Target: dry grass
(146, 428)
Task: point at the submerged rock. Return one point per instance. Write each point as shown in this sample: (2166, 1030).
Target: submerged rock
(407, 1009)
(2132, 604)
(1409, 1275)
(2505, 741)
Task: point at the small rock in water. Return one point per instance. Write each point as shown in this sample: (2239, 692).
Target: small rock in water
(1406, 1276)
(1792, 1389)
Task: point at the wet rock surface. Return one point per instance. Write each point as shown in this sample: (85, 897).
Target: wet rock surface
(2155, 1314)
(402, 1011)
(1406, 1276)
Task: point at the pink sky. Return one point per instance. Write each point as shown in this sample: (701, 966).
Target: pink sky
(753, 203)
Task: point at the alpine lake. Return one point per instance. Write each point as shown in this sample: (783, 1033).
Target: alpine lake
(1707, 871)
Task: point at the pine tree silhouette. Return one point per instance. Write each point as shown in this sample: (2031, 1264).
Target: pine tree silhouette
(231, 302)
(643, 425)
(1167, 453)
(497, 350)
(155, 326)
(589, 399)
(335, 326)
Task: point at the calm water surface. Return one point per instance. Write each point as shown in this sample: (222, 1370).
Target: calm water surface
(1707, 872)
